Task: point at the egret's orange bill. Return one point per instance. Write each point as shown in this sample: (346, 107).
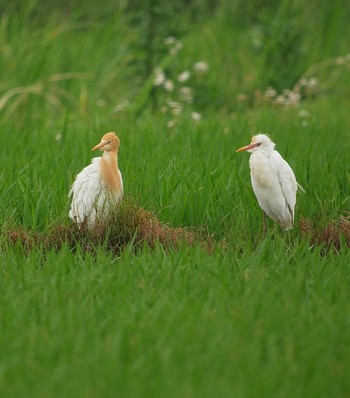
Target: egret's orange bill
(245, 148)
(98, 146)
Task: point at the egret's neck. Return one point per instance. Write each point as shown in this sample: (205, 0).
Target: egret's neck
(109, 171)
(265, 151)
(110, 157)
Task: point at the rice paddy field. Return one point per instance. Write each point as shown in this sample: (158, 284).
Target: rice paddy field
(200, 303)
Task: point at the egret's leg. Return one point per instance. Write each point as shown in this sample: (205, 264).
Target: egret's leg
(264, 224)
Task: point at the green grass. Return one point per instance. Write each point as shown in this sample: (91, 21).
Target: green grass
(175, 324)
(257, 317)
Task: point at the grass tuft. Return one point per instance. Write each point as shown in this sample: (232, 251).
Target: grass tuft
(332, 234)
(127, 225)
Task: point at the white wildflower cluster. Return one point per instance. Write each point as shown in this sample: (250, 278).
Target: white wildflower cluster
(288, 98)
(343, 60)
(171, 123)
(169, 85)
(196, 116)
(303, 113)
(184, 76)
(201, 68)
(309, 84)
(178, 86)
(291, 97)
(174, 106)
(174, 44)
(159, 79)
(186, 94)
(270, 93)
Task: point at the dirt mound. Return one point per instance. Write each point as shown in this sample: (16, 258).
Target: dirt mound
(331, 234)
(129, 224)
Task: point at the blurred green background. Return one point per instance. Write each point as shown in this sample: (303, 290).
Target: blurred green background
(92, 59)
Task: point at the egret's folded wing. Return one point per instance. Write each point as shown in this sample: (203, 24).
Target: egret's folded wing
(288, 184)
(121, 185)
(85, 191)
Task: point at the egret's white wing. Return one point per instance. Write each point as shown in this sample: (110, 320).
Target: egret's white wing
(85, 191)
(120, 194)
(288, 184)
(274, 185)
(121, 180)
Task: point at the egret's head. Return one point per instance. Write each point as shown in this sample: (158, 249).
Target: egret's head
(109, 142)
(258, 142)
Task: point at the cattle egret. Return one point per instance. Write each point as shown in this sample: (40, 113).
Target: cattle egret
(98, 186)
(273, 181)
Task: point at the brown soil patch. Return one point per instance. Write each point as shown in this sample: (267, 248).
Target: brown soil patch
(331, 234)
(128, 225)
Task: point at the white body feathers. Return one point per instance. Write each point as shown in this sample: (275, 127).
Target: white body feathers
(274, 185)
(99, 186)
(91, 198)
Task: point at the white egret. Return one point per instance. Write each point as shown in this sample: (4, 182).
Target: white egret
(273, 181)
(99, 185)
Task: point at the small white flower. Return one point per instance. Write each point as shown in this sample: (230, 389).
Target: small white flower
(186, 94)
(304, 123)
(58, 137)
(184, 76)
(294, 97)
(196, 116)
(159, 77)
(173, 51)
(171, 123)
(185, 90)
(168, 85)
(270, 92)
(279, 99)
(175, 106)
(312, 82)
(176, 111)
(303, 113)
(169, 40)
(176, 45)
(288, 98)
(201, 67)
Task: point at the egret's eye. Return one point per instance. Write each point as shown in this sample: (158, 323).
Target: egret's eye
(108, 142)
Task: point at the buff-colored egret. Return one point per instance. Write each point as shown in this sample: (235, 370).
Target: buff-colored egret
(99, 185)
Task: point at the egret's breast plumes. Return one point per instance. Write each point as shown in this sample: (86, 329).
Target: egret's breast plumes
(99, 186)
